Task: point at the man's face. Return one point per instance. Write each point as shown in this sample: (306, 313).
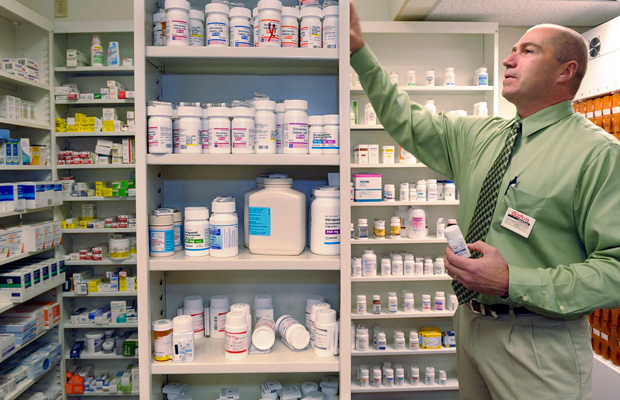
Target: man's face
(531, 69)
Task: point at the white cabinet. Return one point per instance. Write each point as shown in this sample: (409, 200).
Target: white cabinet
(401, 46)
(216, 75)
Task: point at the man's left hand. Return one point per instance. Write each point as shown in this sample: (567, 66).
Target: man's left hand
(487, 274)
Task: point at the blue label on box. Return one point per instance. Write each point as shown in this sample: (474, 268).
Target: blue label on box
(260, 221)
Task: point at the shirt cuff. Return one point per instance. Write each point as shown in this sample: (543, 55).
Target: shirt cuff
(522, 285)
(363, 59)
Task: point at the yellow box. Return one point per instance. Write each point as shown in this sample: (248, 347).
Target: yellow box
(63, 224)
(108, 126)
(108, 192)
(122, 283)
(430, 340)
(99, 185)
(36, 155)
(83, 224)
(93, 285)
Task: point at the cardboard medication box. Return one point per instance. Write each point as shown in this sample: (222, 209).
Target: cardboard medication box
(76, 58)
(367, 187)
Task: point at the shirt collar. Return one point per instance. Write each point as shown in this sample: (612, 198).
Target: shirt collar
(545, 117)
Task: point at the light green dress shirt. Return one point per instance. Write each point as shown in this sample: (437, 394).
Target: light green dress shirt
(568, 179)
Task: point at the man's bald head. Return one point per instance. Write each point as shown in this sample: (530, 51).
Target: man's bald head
(568, 45)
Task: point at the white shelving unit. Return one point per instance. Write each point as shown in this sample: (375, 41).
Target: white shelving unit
(399, 47)
(26, 33)
(69, 34)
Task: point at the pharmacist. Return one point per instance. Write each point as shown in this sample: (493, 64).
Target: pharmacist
(551, 254)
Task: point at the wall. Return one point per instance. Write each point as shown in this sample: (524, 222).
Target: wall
(79, 10)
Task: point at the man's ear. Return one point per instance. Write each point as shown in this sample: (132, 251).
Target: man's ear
(568, 71)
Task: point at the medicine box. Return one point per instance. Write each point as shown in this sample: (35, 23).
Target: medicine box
(360, 154)
(51, 311)
(367, 187)
(7, 345)
(119, 311)
(373, 154)
(18, 373)
(76, 58)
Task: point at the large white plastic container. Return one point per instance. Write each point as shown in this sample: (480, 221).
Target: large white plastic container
(277, 217)
(260, 184)
(325, 222)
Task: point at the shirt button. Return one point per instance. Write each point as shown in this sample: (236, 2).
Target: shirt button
(525, 298)
(562, 308)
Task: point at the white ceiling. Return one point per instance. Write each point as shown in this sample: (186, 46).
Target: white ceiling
(523, 13)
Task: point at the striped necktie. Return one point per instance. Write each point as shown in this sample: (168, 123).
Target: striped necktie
(487, 199)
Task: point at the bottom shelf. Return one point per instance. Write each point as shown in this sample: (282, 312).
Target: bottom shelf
(452, 384)
(24, 385)
(103, 395)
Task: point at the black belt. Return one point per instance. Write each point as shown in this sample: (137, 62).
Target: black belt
(495, 309)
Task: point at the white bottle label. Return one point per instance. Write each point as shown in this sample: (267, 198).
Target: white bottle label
(264, 135)
(259, 221)
(361, 343)
(189, 139)
(330, 36)
(160, 136)
(332, 230)
(196, 239)
(311, 36)
(295, 135)
(224, 237)
(199, 321)
(270, 31)
(240, 36)
(183, 349)
(322, 339)
(236, 342)
(196, 37)
(221, 137)
(216, 34)
(241, 138)
(178, 30)
(290, 36)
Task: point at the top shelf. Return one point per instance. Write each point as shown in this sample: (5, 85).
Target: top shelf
(14, 81)
(16, 12)
(434, 89)
(93, 26)
(428, 27)
(249, 60)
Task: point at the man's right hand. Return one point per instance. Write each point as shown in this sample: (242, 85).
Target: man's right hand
(357, 40)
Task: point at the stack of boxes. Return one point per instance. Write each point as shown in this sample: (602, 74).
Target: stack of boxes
(605, 326)
(124, 188)
(603, 111)
(125, 344)
(82, 379)
(113, 90)
(29, 364)
(84, 123)
(12, 107)
(43, 391)
(23, 68)
(18, 151)
(36, 236)
(115, 280)
(106, 152)
(29, 195)
(24, 279)
(29, 320)
(125, 311)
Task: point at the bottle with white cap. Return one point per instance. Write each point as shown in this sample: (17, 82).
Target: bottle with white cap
(279, 122)
(316, 132)
(217, 24)
(193, 306)
(315, 309)
(242, 130)
(264, 335)
(183, 339)
(159, 127)
(295, 127)
(224, 228)
(265, 127)
(177, 22)
(220, 306)
(310, 27)
(309, 387)
(293, 332)
(190, 127)
(219, 130)
(290, 27)
(330, 26)
(331, 141)
(277, 218)
(270, 23)
(263, 307)
(440, 301)
(240, 27)
(236, 336)
(196, 27)
(456, 241)
(325, 333)
(245, 309)
(196, 231)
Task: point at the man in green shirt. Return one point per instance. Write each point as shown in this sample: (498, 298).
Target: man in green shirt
(552, 252)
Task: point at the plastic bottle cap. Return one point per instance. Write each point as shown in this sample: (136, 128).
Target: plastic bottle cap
(263, 338)
(327, 193)
(183, 323)
(308, 387)
(439, 293)
(295, 104)
(314, 299)
(278, 181)
(326, 316)
(315, 395)
(263, 301)
(453, 232)
(315, 120)
(362, 221)
(319, 306)
(240, 307)
(449, 69)
(162, 325)
(268, 105)
(331, 119)
(193, 303)
(196, 14)
(361, 297)
(160, 110)
(215, 7)
(221, 205)
(220, 301)
(330, 10)
(164, 219)
(196, 213)
(263, 4)
(290, 12)
(159, 16)
(189, 111)
(94, 335)
(376, 297)
(299, 337)
(218, 111)
(409, 295)
(310, 12)
(240, 12)
(177, 4)
(242, 112)
(236, 319)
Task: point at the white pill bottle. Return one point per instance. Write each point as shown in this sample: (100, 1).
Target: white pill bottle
(217, 24)
(159, 127)
(190, 127)
(290, 27)
(177, 23)
(242, 130)
(265, 127)
(270, 23)
(277, 218)
(219, 130)
(240, 28)
(330, 27)
(325, 222)
(196, 27)
(295, 127)
(224, 228)
(196, 232)
(310, 27)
